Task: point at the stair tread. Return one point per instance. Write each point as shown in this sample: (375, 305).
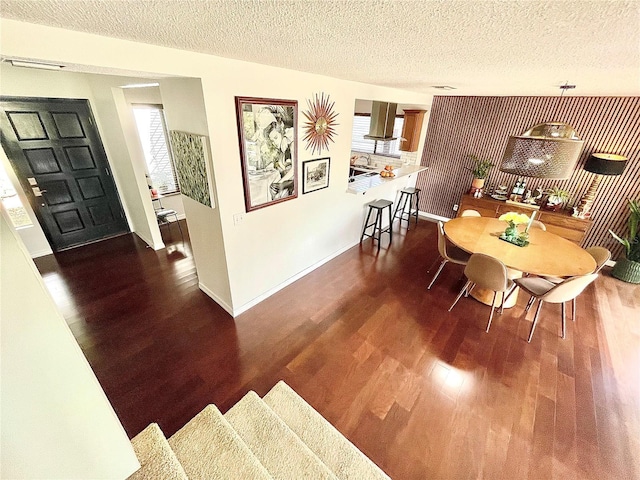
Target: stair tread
(156, 458)
(280, 450)
(208, 447)
(334, 449)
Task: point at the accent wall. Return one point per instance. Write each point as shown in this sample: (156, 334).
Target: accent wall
(464, 125)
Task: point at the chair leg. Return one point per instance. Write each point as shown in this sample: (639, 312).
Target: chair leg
(468, 292)
(417, 203)
(366, 224)
(535, 320)
(504, 299)
(179, 228)
(379, 222)
(564, 320)
(460, 294)
(402, 203)
(390, 226)
(532, 299)
(493, 306)
(437, 273)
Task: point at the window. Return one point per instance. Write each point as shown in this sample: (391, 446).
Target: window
(152, 130)
(361, 144)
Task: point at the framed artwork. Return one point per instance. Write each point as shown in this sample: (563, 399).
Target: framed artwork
(268, 150)
(189, 155)
(315, 174)
(320, 125)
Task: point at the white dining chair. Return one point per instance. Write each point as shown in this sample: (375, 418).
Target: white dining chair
(470, 213)
(448, 253)
(486, 272)
(601, 255)
(546, 291)
(538, 224)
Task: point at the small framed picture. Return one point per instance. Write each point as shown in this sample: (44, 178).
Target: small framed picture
(315, 174)
(267, 134)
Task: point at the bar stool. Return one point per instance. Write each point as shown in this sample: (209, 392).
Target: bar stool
(410, 194)
(161, 216)
(376, 234)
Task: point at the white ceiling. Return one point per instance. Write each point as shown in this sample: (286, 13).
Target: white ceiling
(489, 47)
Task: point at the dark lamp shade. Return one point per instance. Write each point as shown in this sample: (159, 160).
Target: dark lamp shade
(605, 164)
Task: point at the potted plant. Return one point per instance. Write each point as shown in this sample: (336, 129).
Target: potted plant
(480, 171)
(555, 198)
(628, 268)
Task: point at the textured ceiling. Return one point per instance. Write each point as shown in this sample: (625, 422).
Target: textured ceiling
(480, 47)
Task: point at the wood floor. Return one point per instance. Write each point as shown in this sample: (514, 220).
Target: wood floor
(425, 393)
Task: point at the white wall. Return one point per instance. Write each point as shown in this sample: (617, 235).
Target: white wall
(272, 245)
(184, 108)
(126, 157)
(56, 421)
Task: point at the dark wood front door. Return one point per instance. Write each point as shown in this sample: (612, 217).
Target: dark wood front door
(56, 152)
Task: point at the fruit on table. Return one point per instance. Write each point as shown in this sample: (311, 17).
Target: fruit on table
(388, 168)
(387, 174)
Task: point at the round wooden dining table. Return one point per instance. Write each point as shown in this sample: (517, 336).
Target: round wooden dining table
(547, 253)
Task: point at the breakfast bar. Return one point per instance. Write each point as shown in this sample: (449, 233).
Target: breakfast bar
(367, 181)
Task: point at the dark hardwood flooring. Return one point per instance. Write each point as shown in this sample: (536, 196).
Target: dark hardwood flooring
(423, 392)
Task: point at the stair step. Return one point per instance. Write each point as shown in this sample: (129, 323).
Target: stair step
(208, 447)
(280, 450)
(156, 458)
(338, 453)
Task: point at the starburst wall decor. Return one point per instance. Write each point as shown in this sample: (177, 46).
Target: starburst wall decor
(319, 128)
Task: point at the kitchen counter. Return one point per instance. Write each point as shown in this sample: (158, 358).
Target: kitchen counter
(367, 181)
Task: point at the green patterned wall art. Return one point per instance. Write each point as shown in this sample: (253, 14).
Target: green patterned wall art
(190, 159)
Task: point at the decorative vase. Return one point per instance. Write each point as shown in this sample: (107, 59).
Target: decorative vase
(512, 235)
(627, 270)
(511, 231)
(478, 183)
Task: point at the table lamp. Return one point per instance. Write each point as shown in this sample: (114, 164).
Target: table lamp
(600, 164)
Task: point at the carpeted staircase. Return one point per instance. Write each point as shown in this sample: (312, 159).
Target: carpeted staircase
(279, 436)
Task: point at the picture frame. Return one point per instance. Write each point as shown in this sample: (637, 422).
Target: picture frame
(190, 156)
(267, 132)
(315, 174)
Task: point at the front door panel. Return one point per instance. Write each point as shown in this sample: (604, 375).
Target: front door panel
(57, 154)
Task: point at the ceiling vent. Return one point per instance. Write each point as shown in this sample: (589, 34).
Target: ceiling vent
(383, 116)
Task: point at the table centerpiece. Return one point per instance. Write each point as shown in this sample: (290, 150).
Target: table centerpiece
(511, 234)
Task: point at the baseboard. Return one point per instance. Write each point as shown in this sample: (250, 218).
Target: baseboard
(289, 281)
(237, 311)
(150, 243)
(227, 308)
(433, 218)
(41, 253)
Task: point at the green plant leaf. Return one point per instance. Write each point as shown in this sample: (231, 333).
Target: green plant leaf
(623, 241)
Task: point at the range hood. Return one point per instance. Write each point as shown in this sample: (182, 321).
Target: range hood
(383, 116)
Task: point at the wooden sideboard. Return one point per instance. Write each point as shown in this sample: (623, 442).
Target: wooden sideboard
(561, 223)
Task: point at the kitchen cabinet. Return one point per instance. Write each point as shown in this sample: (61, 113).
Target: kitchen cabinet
(561, 223)
(411, 129)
